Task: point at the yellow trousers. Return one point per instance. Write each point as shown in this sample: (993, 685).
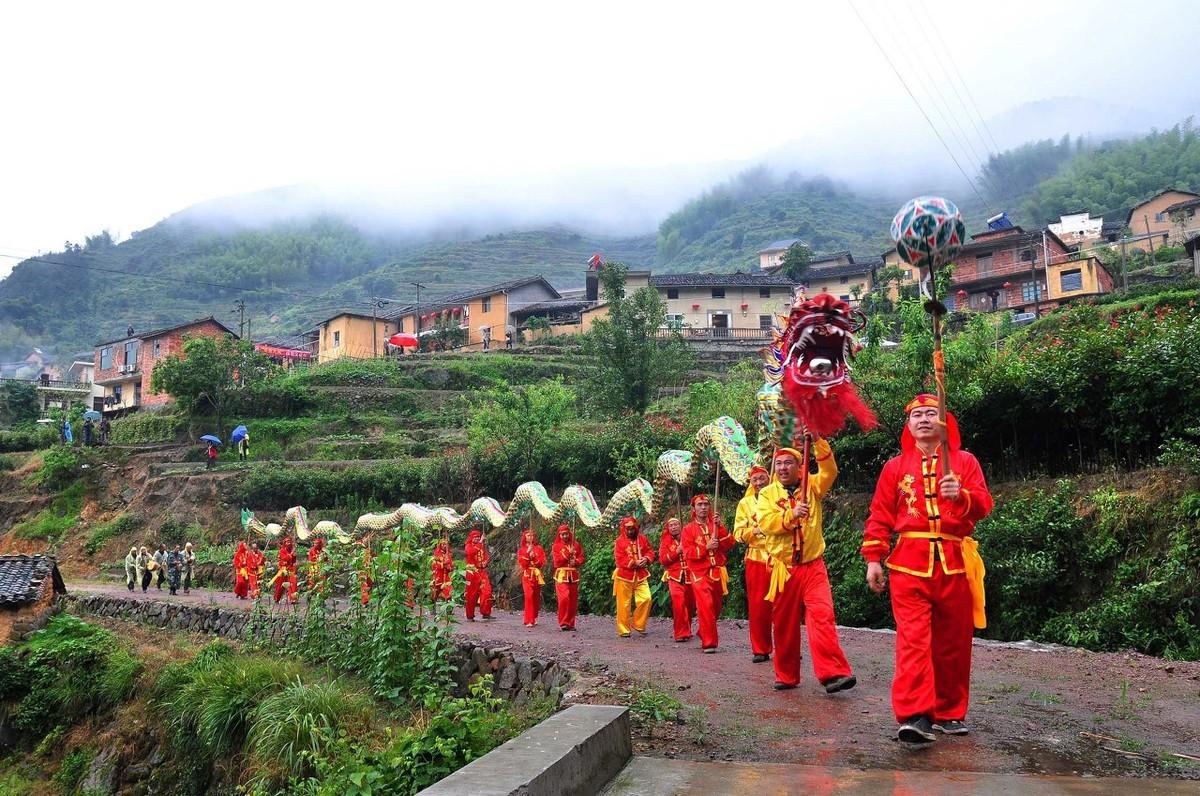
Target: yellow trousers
(639, 595)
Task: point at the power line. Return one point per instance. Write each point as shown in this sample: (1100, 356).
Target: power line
(954, 65)
(916, 102)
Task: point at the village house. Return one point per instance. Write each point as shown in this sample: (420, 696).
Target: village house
(28, 586)
(1152, 218)
(724, 305)
(770, 257)
(123, 366)
(1027, 272)
(485, 314)
(1078, 228)
(1184, 225)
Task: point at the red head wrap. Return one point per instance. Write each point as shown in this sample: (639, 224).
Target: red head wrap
(700, 497)
(629, 522)
(928, 401)
(758, 468)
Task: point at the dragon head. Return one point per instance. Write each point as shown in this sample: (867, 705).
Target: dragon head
(812, 363)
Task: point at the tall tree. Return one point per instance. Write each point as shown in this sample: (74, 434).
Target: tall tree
(206, 377)
(633, 361)
(796, 262)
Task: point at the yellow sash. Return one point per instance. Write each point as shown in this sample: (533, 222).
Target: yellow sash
(975, 570)
(537, 575)
(564, 574)
(779, 576)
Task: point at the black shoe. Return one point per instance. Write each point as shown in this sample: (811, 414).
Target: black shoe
(842, 683)
(564, 628)
(760, 658)
(916, 730)
(709, 650)
(951, 727)
(681, 640)
(784, 686)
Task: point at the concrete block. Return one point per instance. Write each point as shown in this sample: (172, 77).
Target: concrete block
(576, 751)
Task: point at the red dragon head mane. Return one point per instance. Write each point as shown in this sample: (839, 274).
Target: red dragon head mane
(814, 353)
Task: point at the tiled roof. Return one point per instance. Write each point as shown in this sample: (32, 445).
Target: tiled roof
(1184, 205)
(849, 269)
(440, 302)
(1129, 215)
(554, 305)
(779, 245)
(156, 332)
(22, 579)
(754, 279)
(822, 258)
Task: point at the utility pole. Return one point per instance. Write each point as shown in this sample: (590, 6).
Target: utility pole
(1124, 269)
(376, 303)
(1037, 298)
(1149, 236)
(417, 313)
(240, 309)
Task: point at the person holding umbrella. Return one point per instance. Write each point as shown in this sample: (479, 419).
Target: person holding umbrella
(241, 438)
(210, 454)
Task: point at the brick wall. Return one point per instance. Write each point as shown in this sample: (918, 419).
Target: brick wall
(15, 624)
(169, 343)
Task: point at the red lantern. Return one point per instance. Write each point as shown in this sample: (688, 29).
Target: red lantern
(695, 306)
(745, 306)
(962, 295)
(457, 311)
(1007, 285)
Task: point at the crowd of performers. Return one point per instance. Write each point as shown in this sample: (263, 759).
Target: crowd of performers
(928, 498)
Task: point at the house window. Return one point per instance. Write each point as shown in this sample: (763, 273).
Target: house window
(1160, 216)
(718, 292)
(983, 264)
(844, 297)
(487, 304)
(908, 274)
(845, 280)
(672, 292)
(131, 354)
(337, 339)
(106, 358)
(674, 320)
(764, 292)
(1027, 255)
(117, 392)
(1072, 280)
(764, 321)
(1028, 291)
(157, 351)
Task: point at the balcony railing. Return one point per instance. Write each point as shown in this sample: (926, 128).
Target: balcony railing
(53, 384)
(702, 333)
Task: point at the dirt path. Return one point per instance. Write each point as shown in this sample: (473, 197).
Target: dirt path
(1033, 710)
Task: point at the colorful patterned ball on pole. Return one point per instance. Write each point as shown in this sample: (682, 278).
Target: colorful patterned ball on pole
(928, 231)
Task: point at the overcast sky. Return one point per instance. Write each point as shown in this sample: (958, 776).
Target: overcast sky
(121, 114)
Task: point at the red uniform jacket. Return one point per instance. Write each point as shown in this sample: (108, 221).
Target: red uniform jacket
(626, 551)
(568, 558)
(256, 559)
(531, 561)
(702, 562)
(670, 555)
(241, 559)
(906, 502)
(477, 556)
(314, 554)
(287, 558)
(442, 566)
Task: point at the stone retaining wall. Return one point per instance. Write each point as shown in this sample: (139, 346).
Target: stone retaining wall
(516, 677)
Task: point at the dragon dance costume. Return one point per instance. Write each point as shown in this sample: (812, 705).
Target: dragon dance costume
(710, 579)
(285, 576)
(936, 578)
(799, 585)
(479, 585)
(531, 557)
(316, 554)
(678, 580)
(568, 557)
(758, 568)
(442, 566)
(633, 555)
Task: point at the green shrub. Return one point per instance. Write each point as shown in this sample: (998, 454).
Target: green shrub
(60, 466)
(14, 441)
(60, 516)
(296, 725)
(118, 526)
(72, 768)
(174, 531)
(7, 463)
(146, 428)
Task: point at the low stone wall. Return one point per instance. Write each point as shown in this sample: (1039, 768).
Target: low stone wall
(516, 677)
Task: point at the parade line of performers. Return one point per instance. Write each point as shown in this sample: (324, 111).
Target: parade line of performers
(929, 498)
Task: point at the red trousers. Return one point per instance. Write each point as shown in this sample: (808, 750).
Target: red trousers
(683, 607)
(806, 599)
(290, 581)
(441, 591)
(758, 581)
(479, 592)
(708, 609)
(934, 628)
(241, 586)
(567, 595)
(533, 600)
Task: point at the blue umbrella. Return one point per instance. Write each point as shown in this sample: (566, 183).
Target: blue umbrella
(91, 414)
(211, 438)
(238, 433)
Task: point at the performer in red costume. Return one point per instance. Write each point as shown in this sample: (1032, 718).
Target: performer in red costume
(479, 585)
(678, 579)
(568, 557)
(443, 570)
(758, 566)
(705, 543)
(931, 496)
(257, 561)
(633, 555)
(531, 557)
(789, 514)
(316, 554)
(241, 571)
(286, 574)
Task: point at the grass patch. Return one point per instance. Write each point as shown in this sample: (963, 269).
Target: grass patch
(654, 706)
(72, 768)
(60, 516)
(118, 526)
